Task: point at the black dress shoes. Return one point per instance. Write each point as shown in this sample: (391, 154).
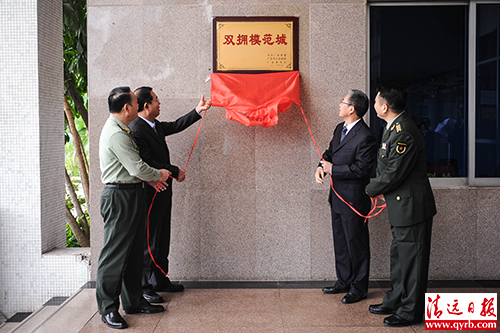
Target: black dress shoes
(350, 298)
(334, 290)
(380, 309)
(114, 320)
(396, 321)
(146, 308)
(168, 286)
(152, 297)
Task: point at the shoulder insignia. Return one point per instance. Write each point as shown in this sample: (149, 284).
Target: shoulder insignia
(401, 147)
(125, 129)
(398, 127)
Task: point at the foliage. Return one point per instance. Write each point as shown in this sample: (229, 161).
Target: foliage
(75, 76)
(70, 160)
(75, 43)
(71, 240)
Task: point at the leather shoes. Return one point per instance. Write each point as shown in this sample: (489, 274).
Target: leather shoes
(396, 321)
(167, 286)
(350, 298)
(380, 309)
(334, 290)
(114, 320)
(146, 308)
(152, 297)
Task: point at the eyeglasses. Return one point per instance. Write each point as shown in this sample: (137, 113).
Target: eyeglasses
(342, 102)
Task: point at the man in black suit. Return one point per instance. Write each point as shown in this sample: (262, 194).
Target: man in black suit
(349, 160)
(402, 180)
(149, 135)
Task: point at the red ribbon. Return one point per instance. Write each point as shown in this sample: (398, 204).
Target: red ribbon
(158, 188)
(374, 200)
(271, 122)
(255, 99)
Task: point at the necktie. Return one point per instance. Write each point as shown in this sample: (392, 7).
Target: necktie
(344, 132)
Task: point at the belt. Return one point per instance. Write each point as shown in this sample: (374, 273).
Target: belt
(124, 186)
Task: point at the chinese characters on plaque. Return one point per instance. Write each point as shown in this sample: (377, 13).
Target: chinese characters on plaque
(255, 44)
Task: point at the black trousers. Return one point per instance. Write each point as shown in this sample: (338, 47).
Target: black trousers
(410, 252)
(352, 252)
(159, 238)
(120, 260)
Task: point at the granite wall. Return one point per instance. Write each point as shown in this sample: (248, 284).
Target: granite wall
(249, 208)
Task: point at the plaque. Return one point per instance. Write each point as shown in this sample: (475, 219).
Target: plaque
(259, 44)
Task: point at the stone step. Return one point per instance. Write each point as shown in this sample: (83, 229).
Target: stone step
(70, 316)
(6, 327)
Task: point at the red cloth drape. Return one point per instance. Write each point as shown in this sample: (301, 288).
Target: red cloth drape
(255, 99)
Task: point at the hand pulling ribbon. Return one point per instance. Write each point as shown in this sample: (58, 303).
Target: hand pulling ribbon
(374, 200)
(256, 99)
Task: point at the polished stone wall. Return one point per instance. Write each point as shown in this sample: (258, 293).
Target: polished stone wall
(249, 208)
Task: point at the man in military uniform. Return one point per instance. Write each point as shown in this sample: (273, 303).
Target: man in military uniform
(123, 208)
(402, 180)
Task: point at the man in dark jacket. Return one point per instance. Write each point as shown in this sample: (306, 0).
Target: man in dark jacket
(402, 180)
(149, 135)
(349, 160)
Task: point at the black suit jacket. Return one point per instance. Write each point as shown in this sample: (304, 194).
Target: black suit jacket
(353, 160)
(153, 146)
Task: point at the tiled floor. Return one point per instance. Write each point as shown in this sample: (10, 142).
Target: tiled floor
(271, 308)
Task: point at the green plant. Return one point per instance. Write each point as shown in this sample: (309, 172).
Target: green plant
(76, 115)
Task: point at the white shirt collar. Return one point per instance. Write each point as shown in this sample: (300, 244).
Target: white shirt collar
(150, 123)
(351, 125)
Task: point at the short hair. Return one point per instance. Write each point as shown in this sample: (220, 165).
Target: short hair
(395, 97)
(360, 102)
(117, 98)
(143, 96)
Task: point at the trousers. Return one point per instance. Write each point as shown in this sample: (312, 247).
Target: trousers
(410, 252)
(124, 217)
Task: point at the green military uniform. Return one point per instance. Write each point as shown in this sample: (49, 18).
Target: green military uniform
(123, 208)
(402, 179)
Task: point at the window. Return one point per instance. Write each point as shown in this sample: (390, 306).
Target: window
(487, 141)
(424, 49)
(448, 58)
